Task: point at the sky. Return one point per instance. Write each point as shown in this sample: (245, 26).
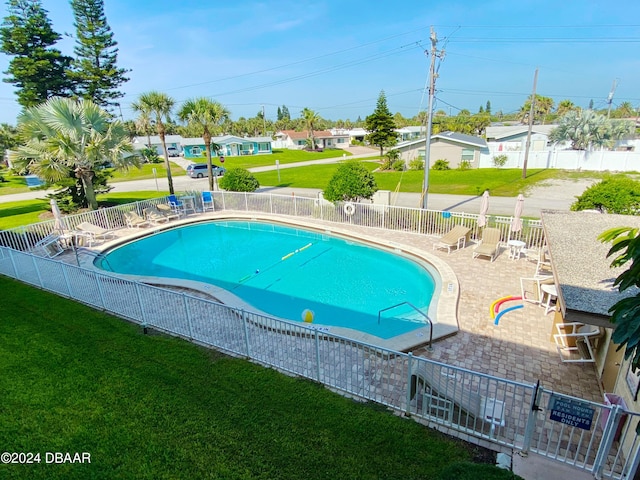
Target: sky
(335, 57)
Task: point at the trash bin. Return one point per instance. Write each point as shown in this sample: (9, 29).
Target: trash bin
(611, 399)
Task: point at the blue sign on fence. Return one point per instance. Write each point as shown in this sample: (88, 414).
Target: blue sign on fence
(571, 412)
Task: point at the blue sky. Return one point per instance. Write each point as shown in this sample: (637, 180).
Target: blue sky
(336, 56)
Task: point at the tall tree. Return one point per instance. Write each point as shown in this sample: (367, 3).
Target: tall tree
(63, 134)
(565, 106)
(95, 71)
(206, 116)
(381, 126)
(159, 105)
(311, 120)
(144, 122)
(8, 138)
(37, 70)
(543, 107)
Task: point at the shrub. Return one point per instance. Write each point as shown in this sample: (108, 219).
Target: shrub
(416, 164)
(351, 181)
(500, 160)
(398, 165)
(150, 155)
(239, 180)
(464, 165)
(616, 194)
(441, 165)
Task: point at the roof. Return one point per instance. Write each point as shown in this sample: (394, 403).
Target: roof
(502, 132)
(581, 268)
(155, 139)
(461, 138)
(293, 135)
(226, 140)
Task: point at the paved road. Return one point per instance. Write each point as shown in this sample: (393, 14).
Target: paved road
(559, 196)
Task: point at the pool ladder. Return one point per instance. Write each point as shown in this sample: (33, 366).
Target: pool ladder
(417, 310)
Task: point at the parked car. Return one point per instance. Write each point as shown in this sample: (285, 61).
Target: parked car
(173, 152)
(199, 170)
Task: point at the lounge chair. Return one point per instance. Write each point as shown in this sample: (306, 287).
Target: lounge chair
(488, 246)
(166, 210)
(456, 237)
(155, 216)
(541, 257)
(444, 388)
(578, 341)
(135, 221)
(95, 231)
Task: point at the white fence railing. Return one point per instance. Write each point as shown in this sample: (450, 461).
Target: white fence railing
(426, 222)
(460, 401)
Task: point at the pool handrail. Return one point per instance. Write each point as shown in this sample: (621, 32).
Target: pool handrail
(417, 310)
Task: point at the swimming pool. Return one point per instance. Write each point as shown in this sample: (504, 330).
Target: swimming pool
(284, 271)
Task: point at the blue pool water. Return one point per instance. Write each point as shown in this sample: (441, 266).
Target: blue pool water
(283, 271)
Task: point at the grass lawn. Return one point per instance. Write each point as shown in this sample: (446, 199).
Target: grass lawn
(146, 172)
(149, 406)
(15, 214)
(313, 176)
(284, 156)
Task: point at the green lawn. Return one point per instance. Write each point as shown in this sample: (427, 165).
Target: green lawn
(145, 172)
(283, 156)
(15, 214)
(154, 407)
(313, 176)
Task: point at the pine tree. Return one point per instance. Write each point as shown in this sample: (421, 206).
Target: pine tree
(37, 70)
(95, 70)
(381, 126)
(488, 109)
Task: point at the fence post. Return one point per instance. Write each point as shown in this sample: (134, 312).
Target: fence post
(144, 315)
(66, 279)
(409, 366)
(608, 435)
(531, 420)
(97, 277)
(187, 312)
(633, 465)
(246, 332)
(318, 356)
(35, 265)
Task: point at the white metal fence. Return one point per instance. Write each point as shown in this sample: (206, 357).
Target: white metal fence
(462, 402)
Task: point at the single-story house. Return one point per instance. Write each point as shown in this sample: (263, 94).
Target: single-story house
(142, 142)
(229, 146)
(514, 137)
(411, 133)
(451, 146)
(323, 139)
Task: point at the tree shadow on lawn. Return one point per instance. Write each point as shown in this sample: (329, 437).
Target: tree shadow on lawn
(23, 209)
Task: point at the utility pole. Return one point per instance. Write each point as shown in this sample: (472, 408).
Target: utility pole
(531, 113)
(610, 97)
(432, 90)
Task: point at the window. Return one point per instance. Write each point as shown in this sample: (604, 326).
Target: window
(341, 140)
(196, 151)
(468, 155)
(263, 147)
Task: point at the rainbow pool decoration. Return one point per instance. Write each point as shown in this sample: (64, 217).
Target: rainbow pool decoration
(496, 314)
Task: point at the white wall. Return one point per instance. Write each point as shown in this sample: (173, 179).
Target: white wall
(599, 160)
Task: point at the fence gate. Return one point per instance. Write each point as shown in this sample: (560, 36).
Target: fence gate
(596, 437)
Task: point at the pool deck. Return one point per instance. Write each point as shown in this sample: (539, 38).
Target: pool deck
(519, 348)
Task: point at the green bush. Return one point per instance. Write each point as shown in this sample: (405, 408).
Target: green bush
(441, 165)
(239, 180)
(150, 155)
(416, 164)
(616, 194)
(464, 165)
(398, 165)
(500, 160)
(474, 471)
(351, 181)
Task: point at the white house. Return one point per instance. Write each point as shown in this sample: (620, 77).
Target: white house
(171, 140)
(450, 146)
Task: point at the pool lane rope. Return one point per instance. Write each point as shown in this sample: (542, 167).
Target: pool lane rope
(296, 251)
(495, 307)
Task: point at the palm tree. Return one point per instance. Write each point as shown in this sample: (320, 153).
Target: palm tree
(63, 134)
(159, 105)
(143, 123)
(311, 120)
(565, 106)
(205, 116)
(587, 129)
